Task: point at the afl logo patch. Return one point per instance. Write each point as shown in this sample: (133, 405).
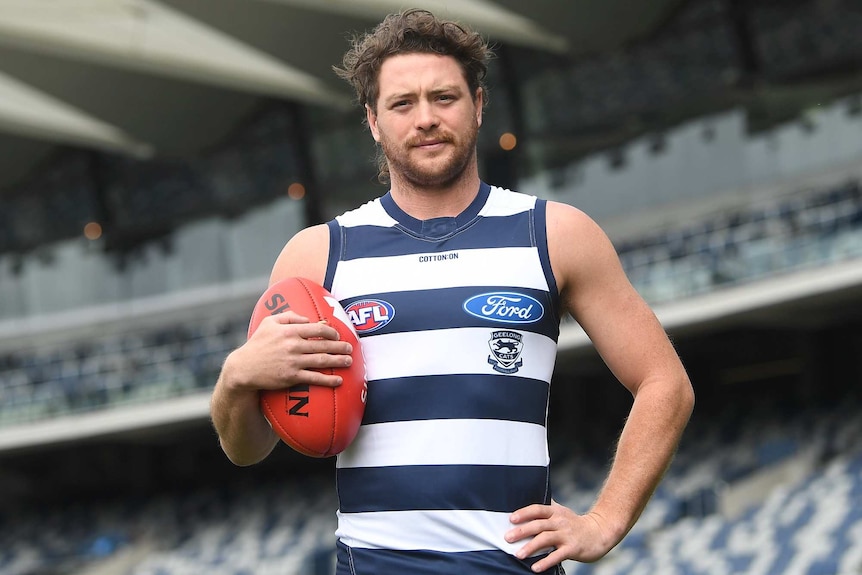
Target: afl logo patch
(508, 307)
(369, 315)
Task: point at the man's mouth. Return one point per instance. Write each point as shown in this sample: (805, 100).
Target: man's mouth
(430, 144)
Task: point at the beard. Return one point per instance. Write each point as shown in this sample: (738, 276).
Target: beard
(434, 172)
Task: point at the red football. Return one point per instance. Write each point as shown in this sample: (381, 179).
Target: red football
(315, 420)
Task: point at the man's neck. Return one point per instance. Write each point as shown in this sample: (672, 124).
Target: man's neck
(425, 203)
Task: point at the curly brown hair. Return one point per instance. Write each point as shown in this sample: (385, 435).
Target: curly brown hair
(412, 31)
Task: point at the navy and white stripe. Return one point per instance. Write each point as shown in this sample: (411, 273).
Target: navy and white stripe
(452, 440)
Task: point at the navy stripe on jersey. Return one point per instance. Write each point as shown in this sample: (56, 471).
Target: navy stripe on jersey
(498, 232)
(498, 488)
(334, 250)
(421, 562)
(444, 309)
(541, 217)
(451, 397)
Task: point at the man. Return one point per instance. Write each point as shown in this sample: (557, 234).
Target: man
(449, 471)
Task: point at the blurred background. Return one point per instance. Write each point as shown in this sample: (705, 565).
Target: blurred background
(156, 155)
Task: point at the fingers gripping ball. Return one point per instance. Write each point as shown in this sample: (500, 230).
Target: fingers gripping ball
(315, 420)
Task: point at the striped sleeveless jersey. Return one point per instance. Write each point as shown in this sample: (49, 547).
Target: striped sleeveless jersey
(459, 320)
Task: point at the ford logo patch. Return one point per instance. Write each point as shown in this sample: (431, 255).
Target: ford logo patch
(508, 307)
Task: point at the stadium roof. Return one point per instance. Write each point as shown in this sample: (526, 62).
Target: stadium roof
(147, 78)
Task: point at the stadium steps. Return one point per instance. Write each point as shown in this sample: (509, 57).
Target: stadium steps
(120, 562)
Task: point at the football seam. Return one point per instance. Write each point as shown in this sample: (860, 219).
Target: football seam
(331, 370)
(274, 421)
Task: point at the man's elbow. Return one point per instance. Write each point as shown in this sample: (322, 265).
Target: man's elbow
(685, 396)
(244, 458)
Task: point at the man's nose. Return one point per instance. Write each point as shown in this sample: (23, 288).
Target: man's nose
(426, 116)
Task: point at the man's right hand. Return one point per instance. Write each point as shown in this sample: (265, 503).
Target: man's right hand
(285, 350)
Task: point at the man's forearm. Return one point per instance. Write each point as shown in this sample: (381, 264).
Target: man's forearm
(645, 449)
(244, 434)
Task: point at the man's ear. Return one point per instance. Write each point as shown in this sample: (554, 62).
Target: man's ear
(480, 104)
(372, 122)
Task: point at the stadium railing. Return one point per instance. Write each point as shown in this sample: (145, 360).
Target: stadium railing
(810, 229)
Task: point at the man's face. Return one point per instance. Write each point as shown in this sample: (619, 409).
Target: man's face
(426, 120)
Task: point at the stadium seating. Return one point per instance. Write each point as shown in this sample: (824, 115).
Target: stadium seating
(790, 233)
(139, 366)
(810, 526)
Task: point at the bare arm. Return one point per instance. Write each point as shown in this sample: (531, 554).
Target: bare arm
(284, 351)
(630, 339)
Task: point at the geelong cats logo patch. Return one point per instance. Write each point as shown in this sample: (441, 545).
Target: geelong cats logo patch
(506, 349)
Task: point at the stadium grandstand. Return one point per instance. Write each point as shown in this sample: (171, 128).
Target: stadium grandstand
(156, 155)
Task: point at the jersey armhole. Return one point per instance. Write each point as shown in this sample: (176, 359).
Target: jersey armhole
(541, 231)
(335, 250)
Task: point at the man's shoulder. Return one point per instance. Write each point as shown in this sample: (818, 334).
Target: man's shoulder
(304, 255)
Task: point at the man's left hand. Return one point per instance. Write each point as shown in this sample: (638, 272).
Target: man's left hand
(571, 536)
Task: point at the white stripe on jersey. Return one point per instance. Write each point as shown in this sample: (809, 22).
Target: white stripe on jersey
(503, 202)
(447, 351)
(429, 529)
(468, 267)
(369, 213)
(441, 442)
